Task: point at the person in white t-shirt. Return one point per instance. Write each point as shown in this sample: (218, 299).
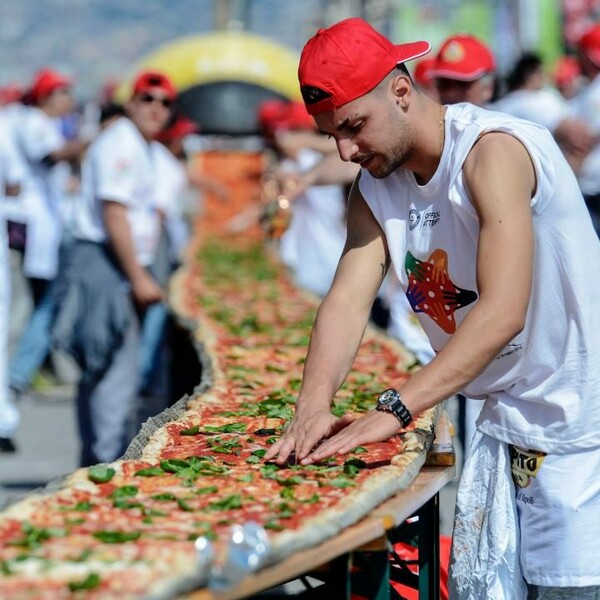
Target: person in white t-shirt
(106, 282)
(528, 97)
(46, 151)
(171, 185)
(43, 145)
(12, 173)
(502, 282)
(313, 241)
(14, 212)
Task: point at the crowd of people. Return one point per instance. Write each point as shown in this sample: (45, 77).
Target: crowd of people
(94, 227)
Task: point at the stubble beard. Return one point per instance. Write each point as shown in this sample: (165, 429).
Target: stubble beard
(393, 160)
(399, 153)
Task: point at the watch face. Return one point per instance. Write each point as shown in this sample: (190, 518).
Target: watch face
(387, 397)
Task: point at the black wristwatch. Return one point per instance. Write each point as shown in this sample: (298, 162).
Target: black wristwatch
(391, 401)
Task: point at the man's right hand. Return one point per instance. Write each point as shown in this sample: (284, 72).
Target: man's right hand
(145, 290)
(306, 430)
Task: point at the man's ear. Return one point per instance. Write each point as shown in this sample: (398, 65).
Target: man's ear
(401, 88)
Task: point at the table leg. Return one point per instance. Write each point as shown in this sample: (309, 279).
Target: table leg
(372, 580)
(338, 577)
(429, 549)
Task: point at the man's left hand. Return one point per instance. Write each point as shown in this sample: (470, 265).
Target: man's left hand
(375, 426)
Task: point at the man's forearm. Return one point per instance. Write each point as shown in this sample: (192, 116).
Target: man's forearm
(477, 341)
(335, 340)
(332, 170)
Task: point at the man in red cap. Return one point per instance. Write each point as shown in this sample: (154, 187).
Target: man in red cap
(39, 211)
(464, 71)
(106, 284)
(482, 221)
(44, 146)
(585, 106)
(566, 76)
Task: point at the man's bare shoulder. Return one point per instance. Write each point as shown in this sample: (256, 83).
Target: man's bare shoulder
(498, 162)
(494, 147)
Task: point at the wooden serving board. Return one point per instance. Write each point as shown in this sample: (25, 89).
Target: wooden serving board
(357, 537)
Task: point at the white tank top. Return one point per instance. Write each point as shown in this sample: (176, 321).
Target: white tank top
(542, 391)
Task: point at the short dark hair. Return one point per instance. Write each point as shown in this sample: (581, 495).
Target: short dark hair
(527, 65)
(402, 67)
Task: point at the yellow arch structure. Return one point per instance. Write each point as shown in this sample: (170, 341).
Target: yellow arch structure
(222, 56)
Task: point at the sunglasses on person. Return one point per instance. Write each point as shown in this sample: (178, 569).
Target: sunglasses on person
(147, 98)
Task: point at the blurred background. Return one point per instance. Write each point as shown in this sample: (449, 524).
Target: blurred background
(100, 42)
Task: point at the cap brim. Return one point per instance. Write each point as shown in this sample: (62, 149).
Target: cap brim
(412, 50)
(456, 75)
(64, 83)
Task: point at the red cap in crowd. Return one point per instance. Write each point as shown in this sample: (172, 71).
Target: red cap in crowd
(283, 115)
(346, 61)
(463, 58)
(422, 71)
(181, 127)
(566, 70)
(10, 93)
(149, 80)
(589, 44)
(47, 81)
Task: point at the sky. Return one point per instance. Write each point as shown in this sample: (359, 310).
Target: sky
(94, 40)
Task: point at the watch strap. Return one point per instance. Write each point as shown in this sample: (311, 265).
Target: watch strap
(401, 412)
(397, 408)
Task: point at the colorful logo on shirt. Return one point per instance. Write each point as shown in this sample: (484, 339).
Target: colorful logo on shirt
(431, 291)
(524, 464)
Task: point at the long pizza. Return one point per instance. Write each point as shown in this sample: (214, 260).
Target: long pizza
(129, 529)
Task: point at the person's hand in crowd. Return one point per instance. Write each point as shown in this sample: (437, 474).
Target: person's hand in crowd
(291, 142)
(146, 290)
(291, 185)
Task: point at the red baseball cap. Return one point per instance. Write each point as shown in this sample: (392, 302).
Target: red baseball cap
(283, 115)
(346, 61)
(566, 70)
(47, 81)
(589, 43)
(463, 58)
(149, 80)
(422, 71)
